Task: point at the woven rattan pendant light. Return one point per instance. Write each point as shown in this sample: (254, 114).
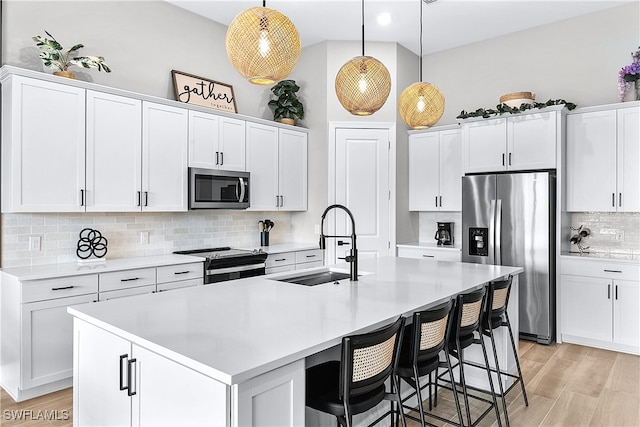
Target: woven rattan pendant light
(263, 45)
(363, 83)
(421, 104)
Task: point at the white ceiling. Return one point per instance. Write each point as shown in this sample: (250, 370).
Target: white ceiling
(447, 23)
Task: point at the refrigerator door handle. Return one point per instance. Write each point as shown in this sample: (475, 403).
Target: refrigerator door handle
(492, 232)
(498, 227)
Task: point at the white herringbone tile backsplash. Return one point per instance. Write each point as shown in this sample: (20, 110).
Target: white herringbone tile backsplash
(168, 232)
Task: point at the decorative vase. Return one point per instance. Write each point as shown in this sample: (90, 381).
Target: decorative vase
(637, 91)
(67, 74)
(287, 121)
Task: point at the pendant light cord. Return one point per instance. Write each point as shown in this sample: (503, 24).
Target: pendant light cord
(420, 58)
(362, 27)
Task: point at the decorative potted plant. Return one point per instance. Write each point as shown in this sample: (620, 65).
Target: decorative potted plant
(629, 74)
(56, 57)
(287, 107)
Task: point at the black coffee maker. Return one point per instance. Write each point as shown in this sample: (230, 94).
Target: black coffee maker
(444, 234)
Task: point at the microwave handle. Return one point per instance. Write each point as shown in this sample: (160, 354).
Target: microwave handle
(242, 190)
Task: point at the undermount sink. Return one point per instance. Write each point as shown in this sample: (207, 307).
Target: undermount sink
(316, 278)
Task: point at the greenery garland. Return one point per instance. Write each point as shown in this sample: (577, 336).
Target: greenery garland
(504, 108)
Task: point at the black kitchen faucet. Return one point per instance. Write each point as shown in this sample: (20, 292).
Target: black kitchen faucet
(352, 258)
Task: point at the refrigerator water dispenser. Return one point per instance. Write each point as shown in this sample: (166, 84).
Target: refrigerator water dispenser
(479, 241)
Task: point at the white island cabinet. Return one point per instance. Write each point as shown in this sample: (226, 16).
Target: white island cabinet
(240, 348)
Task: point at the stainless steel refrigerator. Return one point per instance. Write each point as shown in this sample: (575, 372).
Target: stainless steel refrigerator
(509, 219)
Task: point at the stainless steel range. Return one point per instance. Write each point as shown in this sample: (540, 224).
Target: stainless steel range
(228, 264)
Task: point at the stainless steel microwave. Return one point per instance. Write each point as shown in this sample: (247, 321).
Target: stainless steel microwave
(216, 189)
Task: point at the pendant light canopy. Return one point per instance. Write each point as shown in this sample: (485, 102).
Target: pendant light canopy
(363, 83)
(263, 45)
(421, 104)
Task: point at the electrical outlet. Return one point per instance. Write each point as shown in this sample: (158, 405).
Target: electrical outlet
(144, 237)
(35, 243)
(316, 229)
(619, 236)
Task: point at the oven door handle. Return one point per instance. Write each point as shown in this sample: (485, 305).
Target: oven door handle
(236, 269)
(242, 190)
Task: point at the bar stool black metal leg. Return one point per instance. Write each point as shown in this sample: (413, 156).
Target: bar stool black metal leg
(453, 388)
(495, 356)
(462, 383)
(493, 391)
(515, 355)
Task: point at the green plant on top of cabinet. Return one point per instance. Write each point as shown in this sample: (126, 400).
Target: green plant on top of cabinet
(277, 161)
(216, 142)
(603, 159)
(435, 169)
(517, 142)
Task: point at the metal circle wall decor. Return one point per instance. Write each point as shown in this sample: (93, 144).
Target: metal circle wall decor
(91, 242)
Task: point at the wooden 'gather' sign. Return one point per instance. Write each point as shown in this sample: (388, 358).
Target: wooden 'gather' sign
(196, 90)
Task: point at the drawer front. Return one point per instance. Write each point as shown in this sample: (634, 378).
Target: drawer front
(104, 296)
(181, 284)
(435, 254)
(309, 256)
(311, 264)
(281, 269)
(127, 279)
(278, 260)
(173, 273)
(60, 287)
(598, 268)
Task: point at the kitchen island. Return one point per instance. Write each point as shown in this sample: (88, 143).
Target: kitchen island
(234, 353)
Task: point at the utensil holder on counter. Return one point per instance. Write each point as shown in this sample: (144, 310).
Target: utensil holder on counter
(264, 238)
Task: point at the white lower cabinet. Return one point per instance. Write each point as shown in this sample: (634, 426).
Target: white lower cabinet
(600, 306)
(299, 260)
(444, 254)
(116, 382)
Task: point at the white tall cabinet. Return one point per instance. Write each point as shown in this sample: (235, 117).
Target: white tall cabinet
(435, 169)
(277, 161)
(603, 159)
(43, 154)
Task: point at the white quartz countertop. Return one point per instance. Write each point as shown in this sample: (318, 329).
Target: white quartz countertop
(428, 245)
(50, 271)
(600, 256)
(284, 247)
(234, 331)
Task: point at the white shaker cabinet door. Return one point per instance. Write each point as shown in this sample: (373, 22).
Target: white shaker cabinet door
(629, 159)
(114, 149)
(262, 163)
(591, 161)
(587, 310)
(43, 146)
(292, 170)
(484, 145)
(450, 198)
(532, 141)
(423, 171)
(627, 313)
(164, 158)
(232, 144)
(203, 140)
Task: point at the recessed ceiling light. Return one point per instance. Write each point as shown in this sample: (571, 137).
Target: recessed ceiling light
(384, 18)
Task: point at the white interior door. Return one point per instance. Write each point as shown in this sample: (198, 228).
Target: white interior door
(362, 185)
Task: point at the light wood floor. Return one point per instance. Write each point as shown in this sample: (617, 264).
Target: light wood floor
(567, 385)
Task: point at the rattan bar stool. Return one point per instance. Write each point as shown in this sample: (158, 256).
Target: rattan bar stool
(422, 344)
(467, 323)
(356, 383)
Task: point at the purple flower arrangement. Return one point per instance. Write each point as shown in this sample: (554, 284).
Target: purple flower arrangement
(628, 74)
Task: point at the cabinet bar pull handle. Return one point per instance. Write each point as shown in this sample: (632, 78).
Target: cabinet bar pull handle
(343, 243)
(129, 280)
(436, 201)
(428, 256)
(81, 197)
(613, 199)
(616, 292)
(62, 288)
(139, 197)
(281, 201)
(277, 202)
(217, 158)
(509, 159)
(182, 272)
(282, 259)
(502, 159)
(146, 198)
(311, 256)
(620, 199)
(612, 271)
(122, 386)
(130, 391)
(609, 291)
(440, 201)
(221, 158)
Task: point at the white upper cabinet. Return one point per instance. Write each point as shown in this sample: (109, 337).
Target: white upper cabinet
(277, 161)
(43, 146)
(603, 157)
(435, 170)
(216, 142)
(518, 142)
(164, 158)
(114, 149)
